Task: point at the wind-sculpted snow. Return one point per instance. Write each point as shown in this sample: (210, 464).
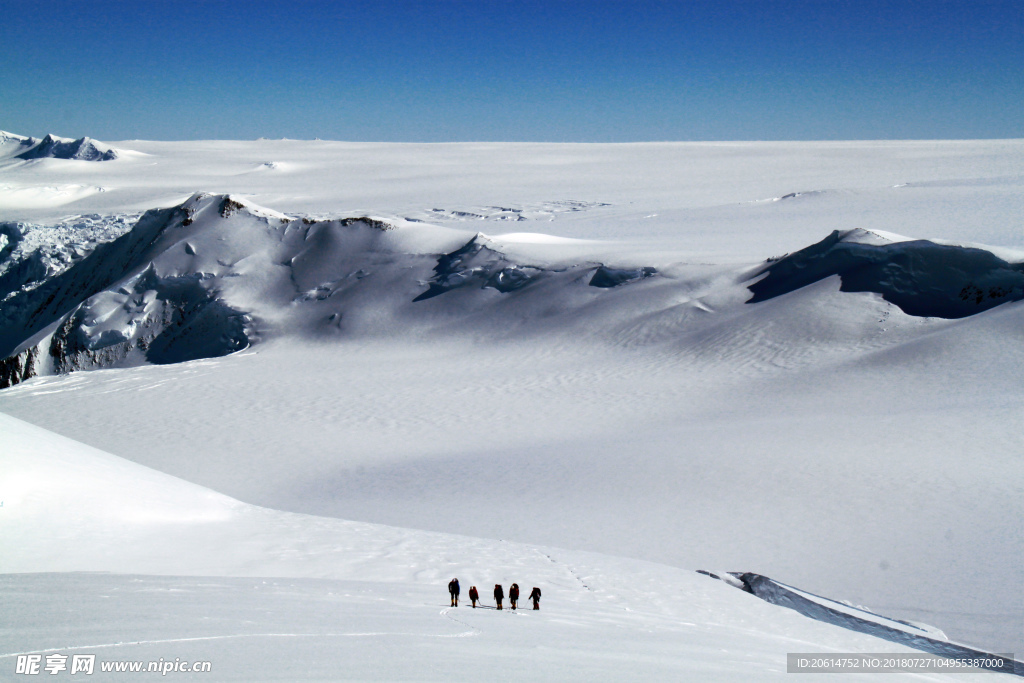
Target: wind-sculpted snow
(921, 277)
(53, 147)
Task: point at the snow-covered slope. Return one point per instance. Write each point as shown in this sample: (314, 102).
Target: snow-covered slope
(330, 596)
(201, 279)
(719, 406)
(198, 280)
(53, 158)
(54, 147)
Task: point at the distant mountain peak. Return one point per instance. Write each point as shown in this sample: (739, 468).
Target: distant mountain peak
(55, 147)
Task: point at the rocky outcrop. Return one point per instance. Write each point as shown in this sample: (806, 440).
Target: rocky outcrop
(921, 277)
(478, 264)
(18, 368)
(158, 321)
(607, 277)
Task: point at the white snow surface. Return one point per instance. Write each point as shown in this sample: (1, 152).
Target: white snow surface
(822, 438)
(161, 569)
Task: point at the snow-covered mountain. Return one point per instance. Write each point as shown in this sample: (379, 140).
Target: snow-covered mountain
(636, 371)
(201, 279)
(54, 147)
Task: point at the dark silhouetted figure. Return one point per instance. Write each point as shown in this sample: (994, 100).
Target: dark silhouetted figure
(453, 590)
(535, 596)
(499, 594)
(473, 595)
(513, 594)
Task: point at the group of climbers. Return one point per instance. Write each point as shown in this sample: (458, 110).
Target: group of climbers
(499, 594)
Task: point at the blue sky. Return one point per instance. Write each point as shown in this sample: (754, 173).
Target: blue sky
(574, 71)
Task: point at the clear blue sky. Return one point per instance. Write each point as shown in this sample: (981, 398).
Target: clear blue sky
(514, 70)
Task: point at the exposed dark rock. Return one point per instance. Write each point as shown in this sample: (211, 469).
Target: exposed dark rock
(921, 277)
(613, 277)
(18, 368)
(383, 226)
(228, 206)
(477, 265)
(371, 222)
(187, 323)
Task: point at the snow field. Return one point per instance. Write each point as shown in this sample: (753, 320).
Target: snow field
(823, 438)
(263, 594)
